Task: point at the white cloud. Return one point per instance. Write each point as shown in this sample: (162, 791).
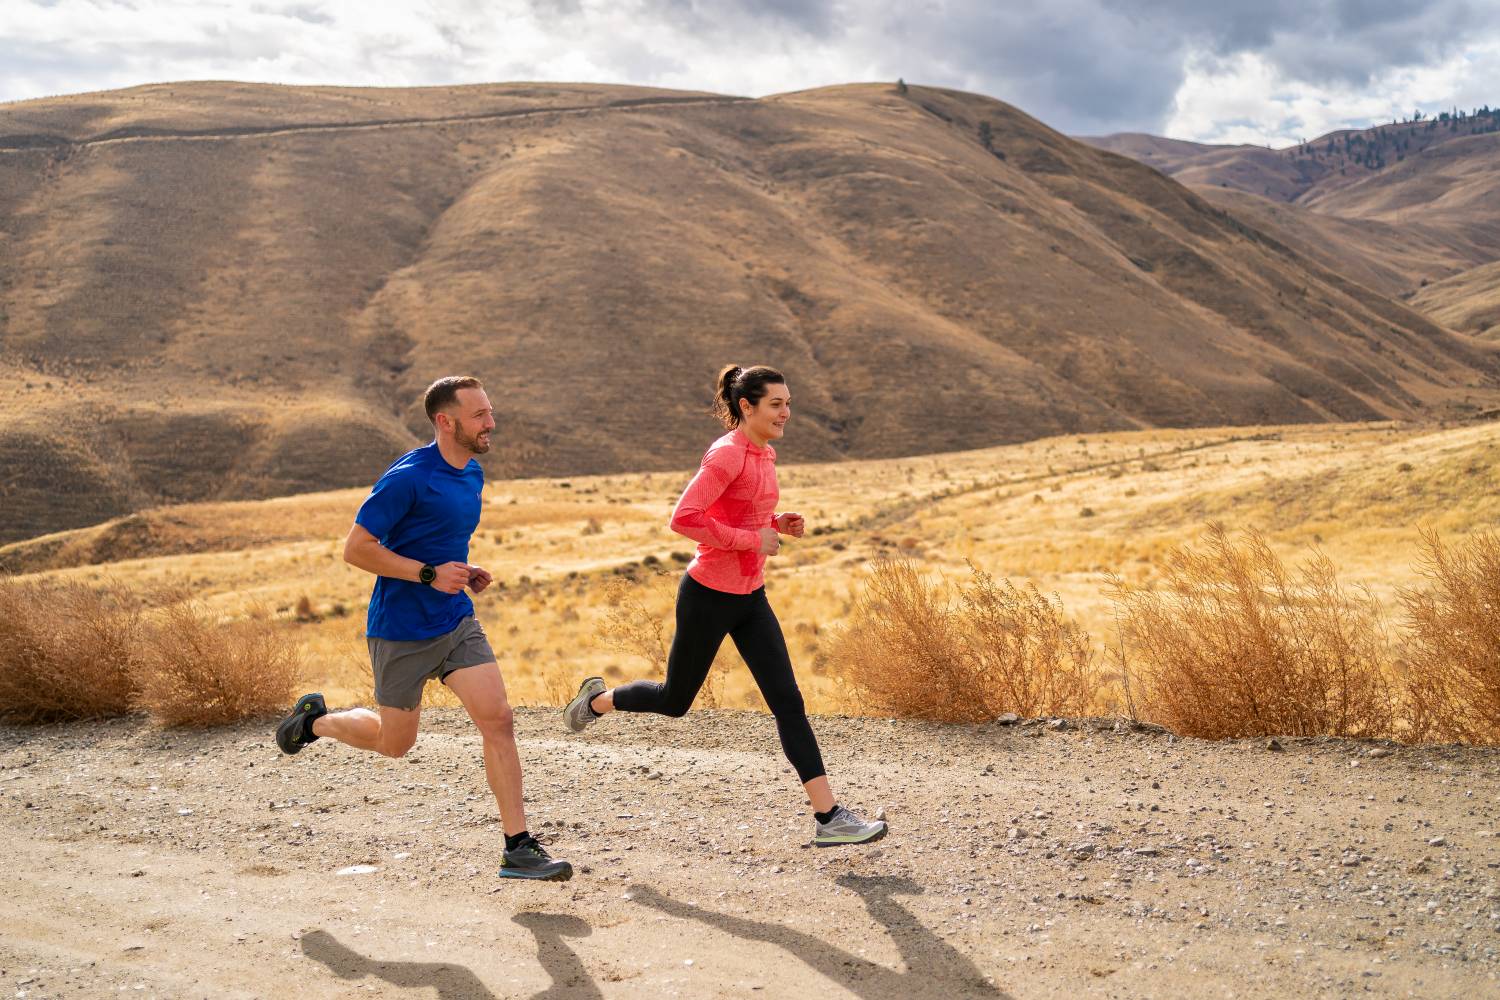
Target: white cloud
(1248, 99)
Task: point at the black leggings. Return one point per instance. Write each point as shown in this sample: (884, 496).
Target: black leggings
(704, 617)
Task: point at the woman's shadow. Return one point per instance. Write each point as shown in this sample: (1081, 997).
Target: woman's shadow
(570, 981)
(934, 968)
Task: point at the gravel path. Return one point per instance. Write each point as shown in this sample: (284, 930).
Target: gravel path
(1024, 861)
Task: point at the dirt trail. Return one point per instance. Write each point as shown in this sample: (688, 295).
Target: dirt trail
(31, 142)
(1024, 862)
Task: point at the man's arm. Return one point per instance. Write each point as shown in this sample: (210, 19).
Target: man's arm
(363, 550)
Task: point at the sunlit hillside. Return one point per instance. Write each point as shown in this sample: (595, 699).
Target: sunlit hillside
(220, 291)
(1062, 512)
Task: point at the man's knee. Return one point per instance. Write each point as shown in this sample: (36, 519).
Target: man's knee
(397, 748)
(676, 709)
(498, 723)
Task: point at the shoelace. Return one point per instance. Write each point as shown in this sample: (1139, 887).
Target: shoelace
(535, 846)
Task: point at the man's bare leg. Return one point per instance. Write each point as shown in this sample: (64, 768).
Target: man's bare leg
(482, 691)
(390, 733)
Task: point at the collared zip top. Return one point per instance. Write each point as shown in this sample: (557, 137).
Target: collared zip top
(732, 497)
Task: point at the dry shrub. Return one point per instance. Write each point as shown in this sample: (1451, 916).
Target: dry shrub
(1452, 650)
(910, 650)
(66, 652)
(631, 627)
(197, 671)
(1234, 644)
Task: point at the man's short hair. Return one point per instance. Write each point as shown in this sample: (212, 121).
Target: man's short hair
(444, 392)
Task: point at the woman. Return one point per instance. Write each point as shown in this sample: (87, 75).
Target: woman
(727, 509)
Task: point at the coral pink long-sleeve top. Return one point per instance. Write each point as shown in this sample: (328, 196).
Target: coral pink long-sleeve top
(724, 508)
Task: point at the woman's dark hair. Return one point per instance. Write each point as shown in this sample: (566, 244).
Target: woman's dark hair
(735, 384)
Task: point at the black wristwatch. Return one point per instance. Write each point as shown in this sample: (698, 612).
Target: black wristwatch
(428, 574)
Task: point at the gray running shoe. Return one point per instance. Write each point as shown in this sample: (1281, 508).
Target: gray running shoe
(578, 713)
(844, 827)
(531, 860)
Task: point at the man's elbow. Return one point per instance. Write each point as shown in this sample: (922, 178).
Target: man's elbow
(351, 546)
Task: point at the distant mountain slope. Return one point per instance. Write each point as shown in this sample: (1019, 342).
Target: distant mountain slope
(1391, 258)
(1469, 302)
(216, 291)
(1307, 172)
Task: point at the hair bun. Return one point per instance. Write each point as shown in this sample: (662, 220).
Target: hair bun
(734, 372)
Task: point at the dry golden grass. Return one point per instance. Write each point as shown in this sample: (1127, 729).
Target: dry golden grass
(910, 650)
(1233, 643)
(67, 651)
(1356, 491)
(1452, 661)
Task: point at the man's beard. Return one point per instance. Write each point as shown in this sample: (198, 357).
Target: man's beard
(474, 445)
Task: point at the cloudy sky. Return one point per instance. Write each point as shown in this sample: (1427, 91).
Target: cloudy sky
(1270, 71)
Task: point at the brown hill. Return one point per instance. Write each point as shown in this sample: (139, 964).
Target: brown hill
(218, 291)
(1469, 301)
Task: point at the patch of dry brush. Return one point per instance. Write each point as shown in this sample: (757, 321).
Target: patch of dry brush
(197, 671)
(1452, 648)
(70, 652)
(911, 650)
(67, 652)
(1232, 643)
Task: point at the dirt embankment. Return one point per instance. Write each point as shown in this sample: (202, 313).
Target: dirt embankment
(1024, 861)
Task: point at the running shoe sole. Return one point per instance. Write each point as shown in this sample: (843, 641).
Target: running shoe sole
(845, 841)
(308, 704)
(562, 875)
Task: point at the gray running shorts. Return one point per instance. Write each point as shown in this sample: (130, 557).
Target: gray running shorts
(402, 669)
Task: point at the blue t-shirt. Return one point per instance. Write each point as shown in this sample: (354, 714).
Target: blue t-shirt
(424, 509)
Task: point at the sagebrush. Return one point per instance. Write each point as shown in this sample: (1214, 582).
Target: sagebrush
(67, 652)
(912, 650)
(70, 652)
(195, 670)
(1451, 668)
(1232, 643)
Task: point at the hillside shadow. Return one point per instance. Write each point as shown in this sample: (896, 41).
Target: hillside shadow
(934, 968)
(452, 982)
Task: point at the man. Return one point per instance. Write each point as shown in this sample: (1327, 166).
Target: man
(413, 533)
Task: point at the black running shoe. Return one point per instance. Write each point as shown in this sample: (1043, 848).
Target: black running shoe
(295, 731)
(531, 860)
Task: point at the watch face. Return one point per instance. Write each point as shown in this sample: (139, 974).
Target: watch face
(428, 574)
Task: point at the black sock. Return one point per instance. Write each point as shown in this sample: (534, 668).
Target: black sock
(511, 843)
(825, 817)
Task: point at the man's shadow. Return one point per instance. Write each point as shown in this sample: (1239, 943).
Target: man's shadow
(934, 968)
(569, 978)
(454, 982)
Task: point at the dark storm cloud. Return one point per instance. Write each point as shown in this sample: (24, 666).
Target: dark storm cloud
(1082, 66)
(1318, 41)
